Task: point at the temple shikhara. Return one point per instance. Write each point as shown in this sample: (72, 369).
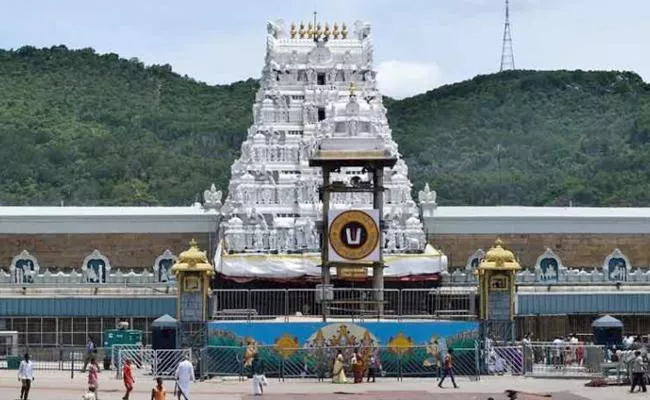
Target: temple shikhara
(318, 82)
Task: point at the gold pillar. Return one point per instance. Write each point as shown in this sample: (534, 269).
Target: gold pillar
(193, 272)
(497, 275)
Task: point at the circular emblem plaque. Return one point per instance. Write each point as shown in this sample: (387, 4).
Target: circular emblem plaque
(353, 235)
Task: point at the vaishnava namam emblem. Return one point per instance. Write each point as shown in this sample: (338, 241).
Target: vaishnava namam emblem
(353, 235)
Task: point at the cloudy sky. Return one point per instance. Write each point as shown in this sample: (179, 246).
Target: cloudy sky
(418, 44)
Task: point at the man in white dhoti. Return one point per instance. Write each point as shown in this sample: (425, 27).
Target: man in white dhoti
(259, 379)
(184, 376)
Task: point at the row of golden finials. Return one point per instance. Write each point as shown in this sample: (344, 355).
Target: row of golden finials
(318, 31)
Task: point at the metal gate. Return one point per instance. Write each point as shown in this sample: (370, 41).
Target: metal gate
(156, 363)
(166, 361)
(142, 359)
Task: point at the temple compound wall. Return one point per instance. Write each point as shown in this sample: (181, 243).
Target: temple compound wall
(124, 250)
(576, 250)
(581, 236)
(128, 237)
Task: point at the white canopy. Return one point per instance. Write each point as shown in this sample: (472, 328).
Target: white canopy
(283, 266)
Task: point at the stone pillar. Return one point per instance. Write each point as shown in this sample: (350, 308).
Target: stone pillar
(378, 268)
(325, 270)
(326, 277)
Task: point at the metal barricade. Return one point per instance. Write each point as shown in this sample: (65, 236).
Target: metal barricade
(157, 363)
(268, 302)
(303, 302)
(364, 303)
(440, 303)
(317, 362)
(552, 360)
(142, 359)
(501, 360)
(166, 361)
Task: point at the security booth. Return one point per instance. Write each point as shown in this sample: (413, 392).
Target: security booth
(164, 333)
(608, 331)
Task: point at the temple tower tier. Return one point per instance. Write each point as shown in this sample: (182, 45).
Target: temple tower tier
(316, 84)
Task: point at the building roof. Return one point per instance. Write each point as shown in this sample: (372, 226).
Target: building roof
(542, 212)
(537, 220)
(83, 220)
(101, 211)
(445, 220)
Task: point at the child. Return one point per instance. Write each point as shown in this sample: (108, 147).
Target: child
(93, 377)
(127, 374)
(373, 368)
(90, 395)
(158, 392)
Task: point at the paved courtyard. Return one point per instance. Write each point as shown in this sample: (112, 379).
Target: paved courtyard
(54, 385)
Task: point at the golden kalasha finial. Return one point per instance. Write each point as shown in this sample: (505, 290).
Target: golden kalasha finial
(302, 31)
(335, 31)
(293, 30)
(319, 31)
(310, 30)
(327, 31)
(353, 88)
(344, 31)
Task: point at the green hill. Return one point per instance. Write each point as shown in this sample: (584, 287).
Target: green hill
(567, 136)
(91, 129)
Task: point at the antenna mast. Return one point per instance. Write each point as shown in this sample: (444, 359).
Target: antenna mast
(507, 55)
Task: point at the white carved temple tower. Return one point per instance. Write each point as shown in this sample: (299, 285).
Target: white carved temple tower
(310, 90)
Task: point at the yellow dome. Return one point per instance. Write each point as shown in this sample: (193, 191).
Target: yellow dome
(193, 259)
(499, 258)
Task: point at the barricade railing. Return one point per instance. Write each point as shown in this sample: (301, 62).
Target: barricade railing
(545, 359)
(142, 358)
(47, 358)
(157, 363)
(317, 362)
(166, 361)
(362, 303)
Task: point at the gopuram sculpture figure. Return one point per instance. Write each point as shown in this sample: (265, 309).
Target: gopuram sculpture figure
(311, 90)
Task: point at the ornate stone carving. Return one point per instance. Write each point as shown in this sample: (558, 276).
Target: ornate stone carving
(272, 176)
(95, 267)
(427, 195)
(474, 260)
(212, 198)
(616, 266)
(548, 267)
(24, 267)
(162, 266)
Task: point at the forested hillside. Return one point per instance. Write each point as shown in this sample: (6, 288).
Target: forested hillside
(90, 129)
(566, 137)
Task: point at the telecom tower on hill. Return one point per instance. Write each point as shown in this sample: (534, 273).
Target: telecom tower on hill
(507, 55)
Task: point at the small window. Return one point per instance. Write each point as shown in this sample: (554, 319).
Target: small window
(320, 79)
(321, 113)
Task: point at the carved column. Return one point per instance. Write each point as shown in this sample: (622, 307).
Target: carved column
(325, 271)
(378, 269)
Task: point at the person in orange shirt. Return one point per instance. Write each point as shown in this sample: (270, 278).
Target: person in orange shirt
(127, 374)
(449, 369)
(158, 392)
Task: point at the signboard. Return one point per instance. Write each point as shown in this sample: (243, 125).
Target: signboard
(354, 236)
(191, 306)
(352, 273)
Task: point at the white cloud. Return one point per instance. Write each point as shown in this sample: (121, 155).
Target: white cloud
(399, 79)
